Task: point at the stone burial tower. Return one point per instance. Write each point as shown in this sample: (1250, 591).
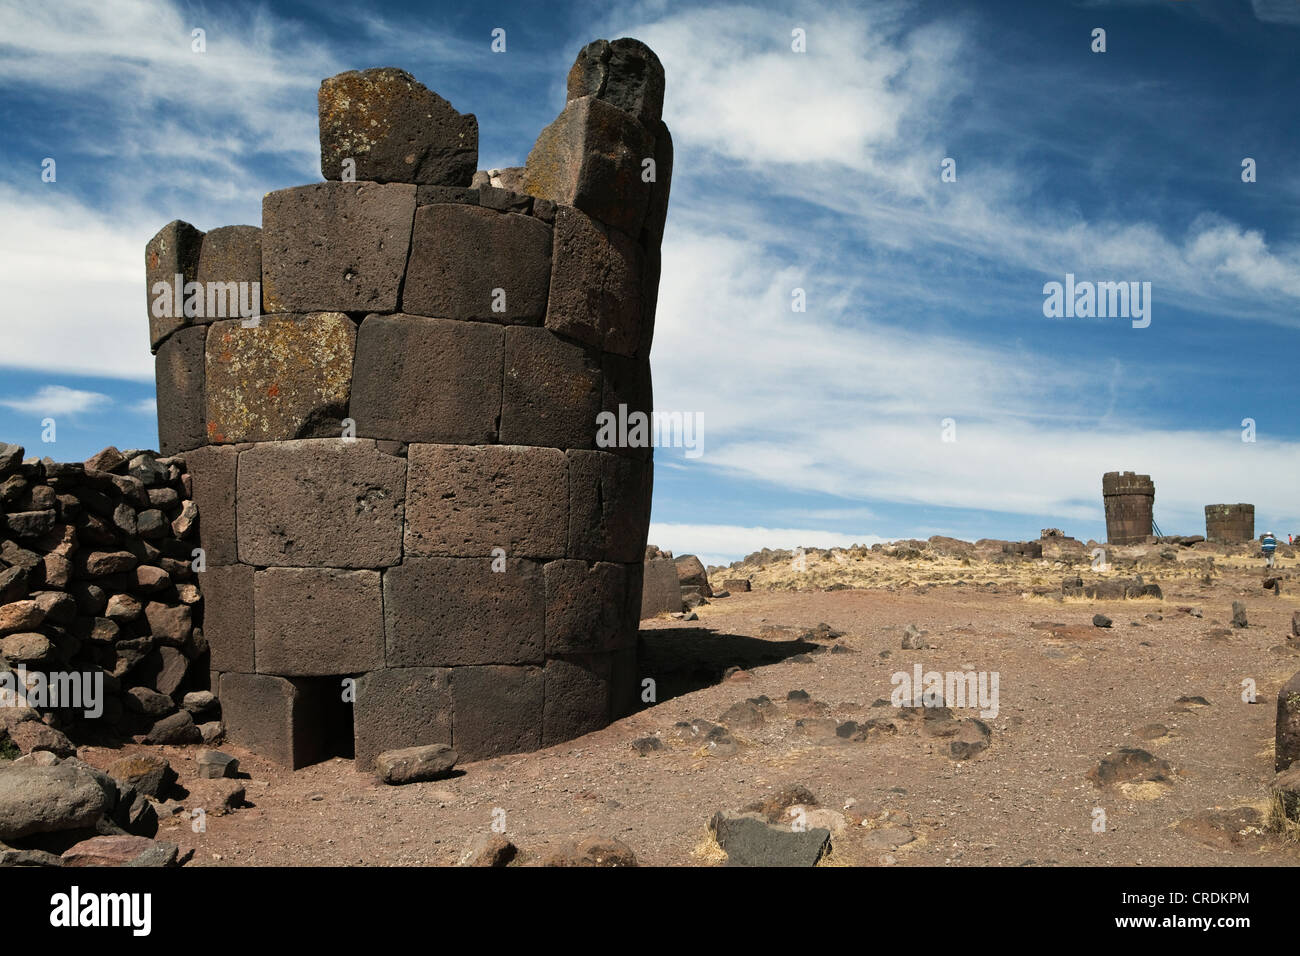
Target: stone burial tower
(1229, 524)
(409, 531)
(1130, 500)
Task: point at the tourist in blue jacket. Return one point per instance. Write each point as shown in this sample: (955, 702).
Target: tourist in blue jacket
(1269, 544)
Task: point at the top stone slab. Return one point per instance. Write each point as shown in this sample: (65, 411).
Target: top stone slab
(395, 129)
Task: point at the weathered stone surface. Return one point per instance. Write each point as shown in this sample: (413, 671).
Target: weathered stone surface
(289, 377)
(172, 623)
(164, 668)
(427, 380)
(593, 851)
(149, 773)
(662, 591)
(318, 621)
(656, 214)
(118, 850)
(625, 73)
(213, 473)
(228, 617)
(749, 840)
(310, 264)
(32, 736)
(321, 503)
(173, 251)
(691, 573)
(273, 716)
(213, 765)
(462, 255)
(552, 391)
(146, 700)
(217, 796)
(395, 129)
(585, 606)
(27, 647)
(415, 764)
(488, 849)
(1287, 749)
(447, 611)
(231, 254)
(595, 284)
(35, 799)
(590, 157)
(464, 501)
(609, 506)
(177, 728)
(626, 395)
(496, 710)
(179, 374)
(1127, 765)
(576, 700)
(429, 195)
(400, 707)
(20, 616)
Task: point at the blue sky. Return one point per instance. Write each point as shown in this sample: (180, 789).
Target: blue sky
(816, 170)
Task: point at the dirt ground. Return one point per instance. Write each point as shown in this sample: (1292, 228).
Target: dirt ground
(1069, 694)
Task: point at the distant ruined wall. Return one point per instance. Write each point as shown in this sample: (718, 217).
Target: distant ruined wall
(1129, 501)
(1229, 524)
(398, 464)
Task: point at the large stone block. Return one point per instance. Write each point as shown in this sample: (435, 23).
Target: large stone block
(552, 391)
(173, 251)
(1287, 751)
(624, 73)
(400, 707)
(316, 622)
(627, 396)
(496, 710)
(591, 157)
(320, 503)
(577, 697)
(464, 501)
(448, 611)
(656, 213)
(335, 246)
(230, 272)
(609, 506)
(287, 377)
(661, 590)
(275, 717)
(427, 380)
(228, 617)
(179, 374)
(595, 284)
(468, 262)
(212, 470)
(395, 129)
(585, 606)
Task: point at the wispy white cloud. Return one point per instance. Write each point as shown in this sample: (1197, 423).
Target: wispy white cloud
(57, 400)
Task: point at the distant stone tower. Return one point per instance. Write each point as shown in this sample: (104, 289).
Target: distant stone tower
(412, 530)
(1229, 524)
(1129, 501)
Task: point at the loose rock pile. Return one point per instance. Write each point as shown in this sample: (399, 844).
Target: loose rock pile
(97, 585)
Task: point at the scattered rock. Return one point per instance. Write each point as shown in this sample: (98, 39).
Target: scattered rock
(488, 849)
(116, 851)
(36, 799)
(749, 840)
(148, 773)
(1238, 614)
(1130, 765)
(1101, 620)
(647, 745)
(415, 764)
(594, 851)
(213, 765)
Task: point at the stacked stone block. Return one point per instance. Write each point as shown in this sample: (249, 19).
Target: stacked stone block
(97, 581)
(1229, 524)
(1129, 501)
(397, 461)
